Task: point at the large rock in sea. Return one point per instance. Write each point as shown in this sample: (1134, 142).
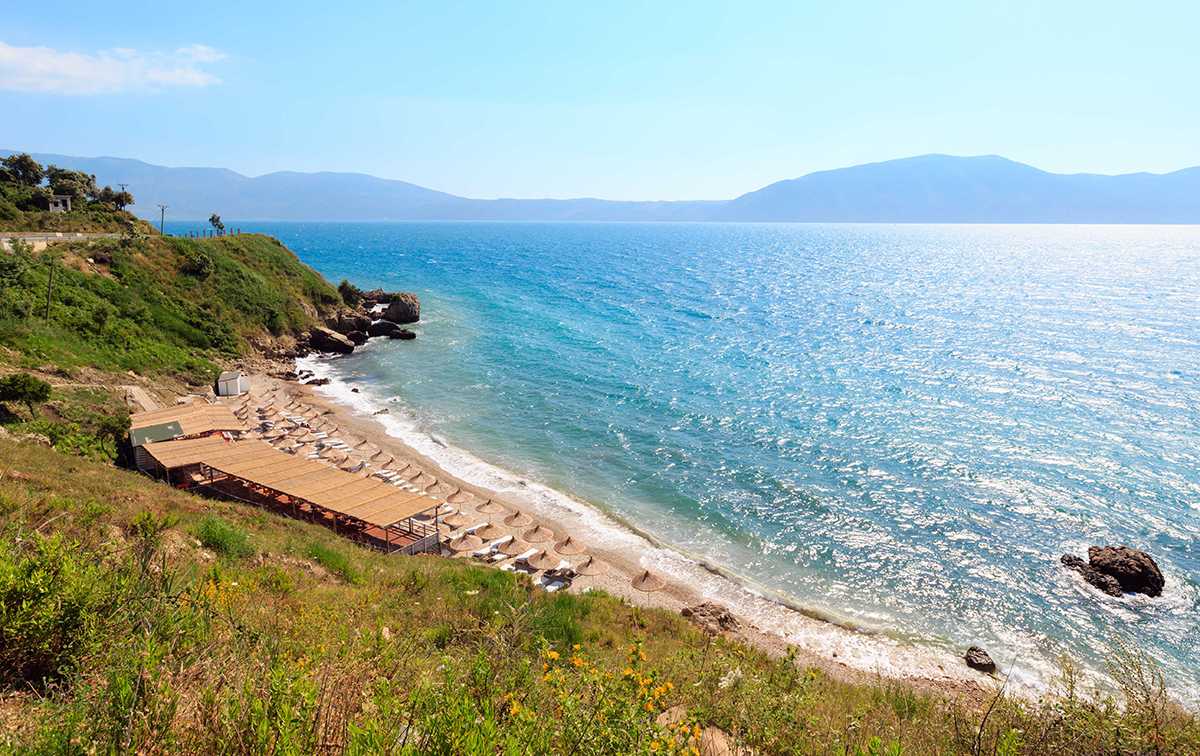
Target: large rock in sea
(404, 308)
(325, 340)
(357, 337)
(977, 658)
(1117, 570)
(403, 334)
(382, 328)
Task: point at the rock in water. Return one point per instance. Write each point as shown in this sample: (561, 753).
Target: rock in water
(402, 333)
(382, 328)
(358, 338)
(1135, 570)
(404, 308)
(977, 658)
(1117, 570)
(325, 340)
(712, 618)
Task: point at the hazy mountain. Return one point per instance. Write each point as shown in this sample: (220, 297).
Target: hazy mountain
(929, 188)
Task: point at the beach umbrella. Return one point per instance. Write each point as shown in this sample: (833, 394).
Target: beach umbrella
(381, 454)
(457, 520)
(588, 566)
(439, 489)
(489, 507)
(518, 519)
(489, 532)
(539, 534)
(411, 473)
(542, 561)
(514, 547)
(648, 582)
(569, 547)
(460, 497)
(466, 543)
(424, 480)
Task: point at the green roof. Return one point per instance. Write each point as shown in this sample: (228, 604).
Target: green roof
(152, 433)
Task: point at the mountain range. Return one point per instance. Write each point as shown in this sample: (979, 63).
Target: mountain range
(923, 189)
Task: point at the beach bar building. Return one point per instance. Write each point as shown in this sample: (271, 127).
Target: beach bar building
(197, 419)
(358, 506)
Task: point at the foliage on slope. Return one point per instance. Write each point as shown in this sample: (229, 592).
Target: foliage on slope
(154, 305)
(139, 618)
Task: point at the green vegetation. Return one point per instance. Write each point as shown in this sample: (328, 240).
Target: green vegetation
(223, 537)
(118, 634)
(24, 200)
(24, 388)
(152, 305)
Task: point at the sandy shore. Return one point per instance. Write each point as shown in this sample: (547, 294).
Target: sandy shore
(770, 625)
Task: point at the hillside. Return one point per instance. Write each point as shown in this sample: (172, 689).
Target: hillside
(928, 188)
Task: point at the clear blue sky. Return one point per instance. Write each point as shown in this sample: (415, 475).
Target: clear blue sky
(651, 100)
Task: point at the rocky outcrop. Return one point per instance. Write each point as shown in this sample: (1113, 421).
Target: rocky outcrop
(358, 338)
(403, 308)
(977, 658)
(403, 334)
(325, 340)
(383, 328)
(713, 619)
(346, 322)
(1118, 570)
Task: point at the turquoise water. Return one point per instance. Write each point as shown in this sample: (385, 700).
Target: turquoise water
(901, 426)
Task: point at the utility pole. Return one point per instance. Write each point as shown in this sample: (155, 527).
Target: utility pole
(162, 216)
(122, 186)
(49, 283)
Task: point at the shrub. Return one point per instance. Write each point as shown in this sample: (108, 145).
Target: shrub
(223, 537)
(50, 603)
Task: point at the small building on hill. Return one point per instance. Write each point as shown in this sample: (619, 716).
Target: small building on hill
(232, 383)
(60, 203)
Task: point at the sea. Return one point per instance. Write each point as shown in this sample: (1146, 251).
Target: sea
(900, 428)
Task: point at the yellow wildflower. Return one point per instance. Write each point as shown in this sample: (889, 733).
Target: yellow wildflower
(551, 654)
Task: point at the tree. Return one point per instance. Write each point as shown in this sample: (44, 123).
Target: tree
(351, 294)
(25, 388)
(215, 221)
(22, 169)
(74, 184)
(118, 200)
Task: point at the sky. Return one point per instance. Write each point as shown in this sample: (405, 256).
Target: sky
(649, 100)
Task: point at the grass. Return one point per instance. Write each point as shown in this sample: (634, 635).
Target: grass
(223, 537)
(141, 643)
(17, 213)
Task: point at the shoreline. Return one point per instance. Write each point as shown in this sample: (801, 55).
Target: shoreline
(769, 623)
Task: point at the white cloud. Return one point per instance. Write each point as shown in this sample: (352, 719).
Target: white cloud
(43, 69)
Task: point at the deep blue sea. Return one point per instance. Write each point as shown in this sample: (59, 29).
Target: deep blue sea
(901, 426)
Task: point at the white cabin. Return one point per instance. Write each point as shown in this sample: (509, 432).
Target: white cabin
(232, 383)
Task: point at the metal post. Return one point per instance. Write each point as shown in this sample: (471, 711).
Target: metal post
(162, 216)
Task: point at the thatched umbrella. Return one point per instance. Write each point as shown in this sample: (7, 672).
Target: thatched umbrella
(381, 455)
(460, 497)
(424, 481)
(489, 507)
(411, 473)
(489, 532)
(466, 542)
(588, 566)
(569, 547)
(538, 534)
(441, 488)
(456, 520)
(648, 582)
(518, 519)
(542, 561)
(514, 547)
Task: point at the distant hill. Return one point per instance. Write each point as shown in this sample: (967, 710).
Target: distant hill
(928, 188)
